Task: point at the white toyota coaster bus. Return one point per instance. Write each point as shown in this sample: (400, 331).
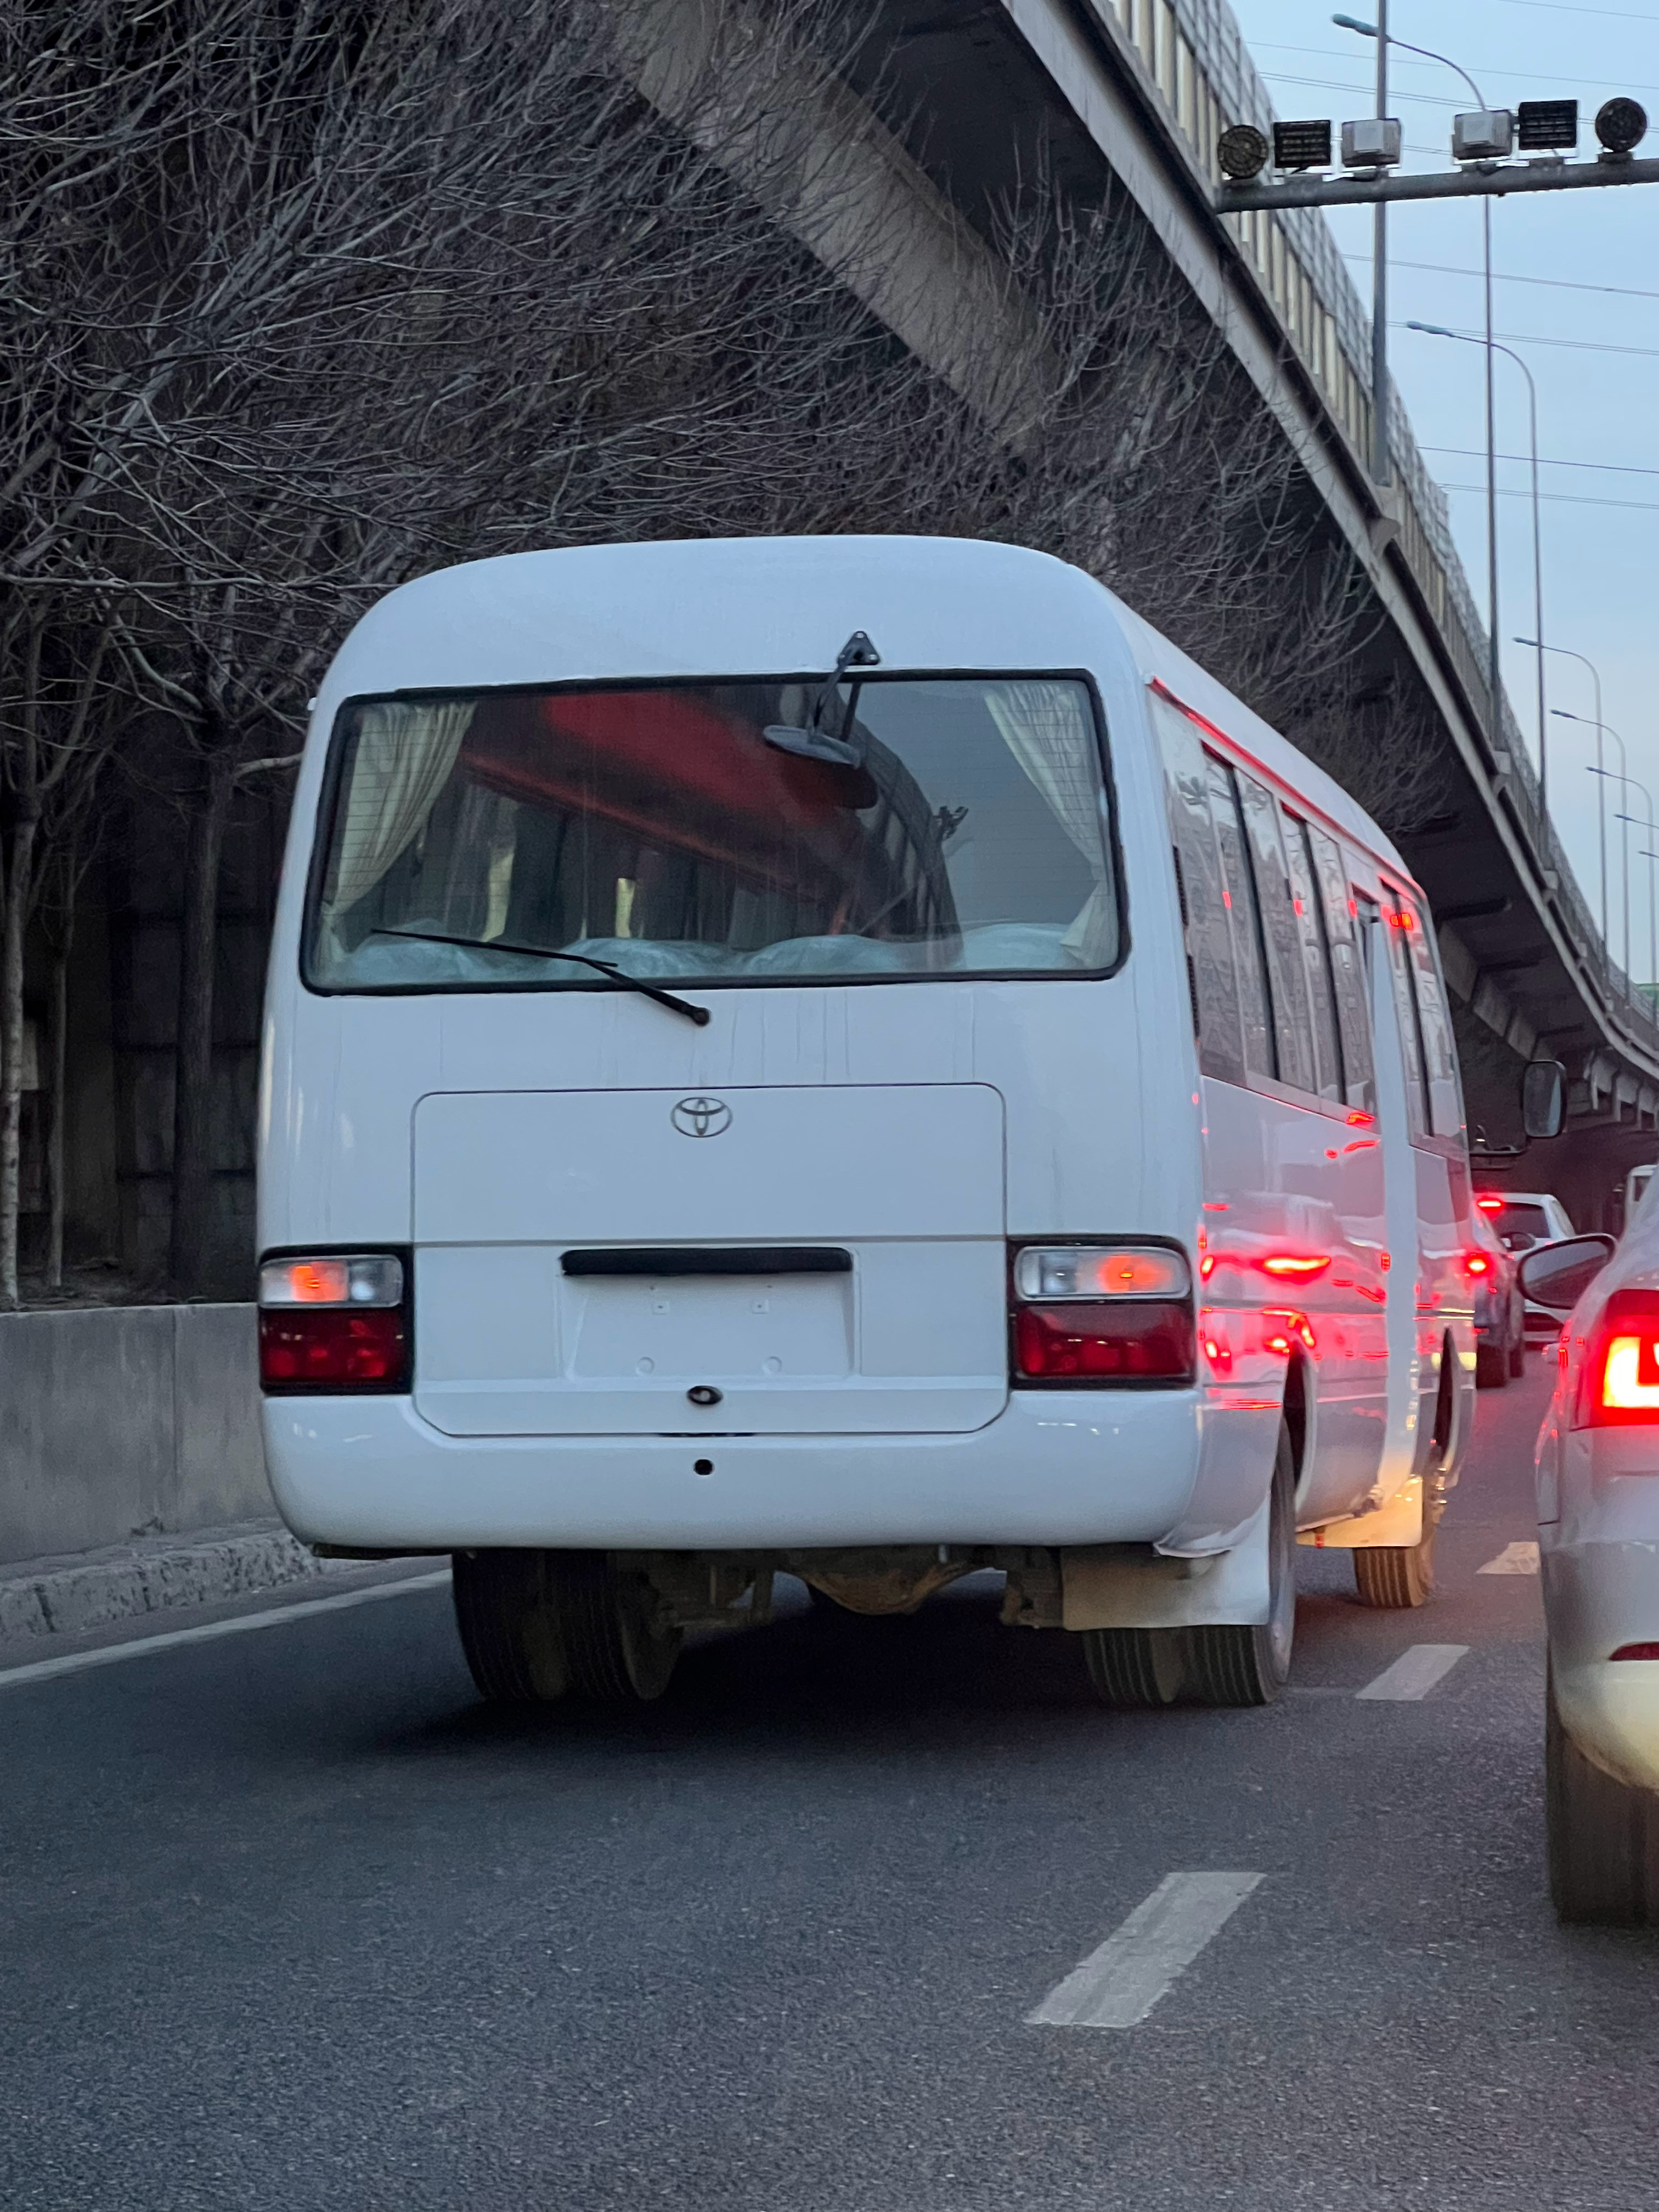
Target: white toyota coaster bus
(850, 1057)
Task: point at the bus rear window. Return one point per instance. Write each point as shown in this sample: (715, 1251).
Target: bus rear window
(472, 837)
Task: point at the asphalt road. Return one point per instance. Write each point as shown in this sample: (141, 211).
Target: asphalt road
(288, 1921)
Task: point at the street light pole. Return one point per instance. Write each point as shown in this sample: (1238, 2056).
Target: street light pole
(1650, 857)
(1653, 929)
(1440, 331)
(1379, 31)
(1567, 654)
(1624, 834)
(1380, 460)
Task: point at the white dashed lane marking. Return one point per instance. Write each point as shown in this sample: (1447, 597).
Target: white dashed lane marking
(277, 1616)
(1118, 1985)
(1415, 1673)
(1513, 1559)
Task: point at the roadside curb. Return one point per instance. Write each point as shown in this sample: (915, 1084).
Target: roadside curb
(69, 1597)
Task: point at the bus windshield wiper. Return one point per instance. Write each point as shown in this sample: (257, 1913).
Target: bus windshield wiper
(700, 1015)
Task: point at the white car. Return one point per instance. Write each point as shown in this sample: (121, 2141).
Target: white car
(1598, 1515)
(1524, 1219)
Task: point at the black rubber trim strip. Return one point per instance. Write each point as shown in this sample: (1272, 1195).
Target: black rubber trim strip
(677, 1259)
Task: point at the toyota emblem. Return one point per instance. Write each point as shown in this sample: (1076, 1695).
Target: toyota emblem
(701, 1117)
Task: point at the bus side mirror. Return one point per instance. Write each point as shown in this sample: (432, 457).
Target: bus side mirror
(1556, 1276)
(1544, 1098)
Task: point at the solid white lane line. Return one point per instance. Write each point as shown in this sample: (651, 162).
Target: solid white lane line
(43, 1670)
(1513, 1559)
(1415, 1673)
(1119, 1984)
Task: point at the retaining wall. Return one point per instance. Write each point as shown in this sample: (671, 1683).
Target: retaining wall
(125, 1421)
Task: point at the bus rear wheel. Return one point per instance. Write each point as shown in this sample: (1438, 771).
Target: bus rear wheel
(621, 1646)
(1249, 1664)
(509, 1627)
(1136, 1667)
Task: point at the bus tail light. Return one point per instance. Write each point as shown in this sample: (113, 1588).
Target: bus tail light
(1093, 1314)
(1620, 1385)
(333, 1323)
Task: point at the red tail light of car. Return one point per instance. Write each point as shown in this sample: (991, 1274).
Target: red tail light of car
(1620, 1385)
(334, 1324)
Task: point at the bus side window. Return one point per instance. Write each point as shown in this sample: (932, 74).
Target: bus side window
(1352, 1002)
(1209, 942)
(1238, 891)
(1286, 979)
(1439, 1045)
(1315, 959)
(1396, 923)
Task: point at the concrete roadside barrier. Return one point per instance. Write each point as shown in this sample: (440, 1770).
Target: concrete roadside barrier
(132, 1477)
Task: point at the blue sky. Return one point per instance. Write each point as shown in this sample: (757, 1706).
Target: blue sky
(1582, 273)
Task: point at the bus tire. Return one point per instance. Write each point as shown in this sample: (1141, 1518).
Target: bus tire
(1248, 1664)
(1136, 1667)
(1602, 1836)
(621, 1649)
(1397, 1577)
(509, 1627)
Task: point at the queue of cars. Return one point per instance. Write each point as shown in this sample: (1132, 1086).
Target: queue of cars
(1500, 1312)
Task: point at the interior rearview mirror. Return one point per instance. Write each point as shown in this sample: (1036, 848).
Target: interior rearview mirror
(1544, 1098)
(1556, 1276)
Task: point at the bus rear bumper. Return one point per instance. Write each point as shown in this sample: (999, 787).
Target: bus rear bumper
(1055, 1467)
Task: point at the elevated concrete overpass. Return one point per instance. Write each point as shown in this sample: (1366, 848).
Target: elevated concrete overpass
(1132, 94)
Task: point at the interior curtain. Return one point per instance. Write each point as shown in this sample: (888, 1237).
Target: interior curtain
(1049, 729)
(405, 755)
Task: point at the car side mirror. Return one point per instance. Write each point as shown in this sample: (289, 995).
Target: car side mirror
(1556, 1276)
(1544, 1098)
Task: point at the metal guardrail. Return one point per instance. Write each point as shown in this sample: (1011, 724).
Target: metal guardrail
(1195, 57)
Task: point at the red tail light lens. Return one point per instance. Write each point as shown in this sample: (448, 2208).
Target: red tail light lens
(1479, 1264)
(1636, 1651)
(1620, 1387)
(326, 1349)
(333, 1323)
(1122, 1340)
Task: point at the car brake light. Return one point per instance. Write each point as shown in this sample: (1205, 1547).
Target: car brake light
(1479, 1264)
(1620, 1386)
(1489, 1202)
(1635, 1651)
(1093, 1314)
(1138, 1340)
(333, 1323)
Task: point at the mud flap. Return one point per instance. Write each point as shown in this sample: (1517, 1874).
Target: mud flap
(1112, 1586)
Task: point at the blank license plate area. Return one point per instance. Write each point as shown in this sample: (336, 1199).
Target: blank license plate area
(689, 1329)
(914, 1337)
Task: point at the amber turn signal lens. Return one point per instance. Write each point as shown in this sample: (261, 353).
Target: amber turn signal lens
(1101, 1271)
